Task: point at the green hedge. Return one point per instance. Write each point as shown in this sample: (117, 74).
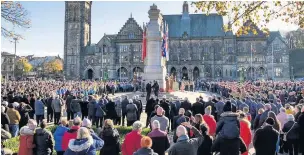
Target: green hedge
(13, 143)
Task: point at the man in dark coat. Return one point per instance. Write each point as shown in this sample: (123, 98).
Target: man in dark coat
(186, 104)
(149, 90)
(49, 109)
(159, 138)
(68, 108)
(198, 107)
(266, 138)
(301, 129)
(32, 104)
(149, 109)
(156, 88)
(166, 106)
(124, 104)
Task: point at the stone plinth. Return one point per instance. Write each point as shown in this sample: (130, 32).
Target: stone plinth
(154, 68)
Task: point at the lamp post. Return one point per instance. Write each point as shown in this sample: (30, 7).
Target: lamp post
(242, 72)
(15, 41)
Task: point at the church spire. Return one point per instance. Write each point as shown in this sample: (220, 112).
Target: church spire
(185, 7)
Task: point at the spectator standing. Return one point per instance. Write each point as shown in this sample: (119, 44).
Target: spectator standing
(110, 136)
(71, 133)
(49, 109)
(56, 106)
(132, 139)
(110, 109)
(58, 136)
(149, 109)
(210, 121)
(92, 108)
(184, 145)
(301, 124)
(39, 110)
(159, 138)
(186, 104)
(68, 106)
(43, 139)
(75, 108)
(291, 132)
(118, 109)
(266, 138)
(146, 144)
(245, 130)
(83, 144)
(173, 112)
(282, 117)
(256, 122)
(32, 104)
(26, 139)
(24, 110)
(131, 113)
(163, 120)
(100, 113)
(198, 107)
(264, 115)
(205, 147)
(124, 104)
(4, 119)
(14, 119)
(277, 124)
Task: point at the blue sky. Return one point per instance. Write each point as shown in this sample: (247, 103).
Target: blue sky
(46, 35)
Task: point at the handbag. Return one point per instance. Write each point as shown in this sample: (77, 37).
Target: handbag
(285, 134)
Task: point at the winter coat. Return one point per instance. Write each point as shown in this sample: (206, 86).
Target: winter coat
(26, 140)
(186, 105)
(81, 147)
(118, 108)
(210, 121)
(198, 108)
(68, 135)
(205, 147)
(186, 146)
(44, 142)
(150, 105)
(75, 106)
(13, 115)
(282, 117)
(100, 110)
(56, 105)
(229, 126)
(39, 107)
(163, 121)
(293, 133)
(24, 109)
(124, 104)
(219, 107)
(245, 133)
(111, 141)
(166, 106)
(145, 151)
(131, 112)
(92, 108)
(263, 117)
(131, 143)
(265, 140)
(160, 141)
(301, 130)
(58, 136)
(111, 112)
(5, 121)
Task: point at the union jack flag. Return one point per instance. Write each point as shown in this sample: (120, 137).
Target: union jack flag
(165, 42)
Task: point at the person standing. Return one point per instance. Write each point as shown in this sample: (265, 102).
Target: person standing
(266, 138)
(185, 145)
(4, 119)
(198, 107)
(110, 137)
(68, 106)
(71, 133)
(210, 121)
(301, 129)
(245, 130)
(163, 120)
(56, 106)
(159, 138)
(14, 119)
(291, 132)
(146, 144)
(118, 110)
(156, 88)
(58, 136)
(43, 139)
(186, 104)
(92, 108)
(75, 107)
(149, 90)
(100, 113)
(132, 139)
(149, 109)
(49, 108)
(131, 113)
(124, 104)
(39, 110)
(26, 139)
(24, 109)
(32, 104)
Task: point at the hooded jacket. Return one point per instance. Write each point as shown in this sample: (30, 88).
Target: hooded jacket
(58, 136)
(81, 147)
(145, 151)
(26, 141)
(229, 126)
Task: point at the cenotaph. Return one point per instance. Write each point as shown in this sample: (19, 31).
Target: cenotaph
(155, 68)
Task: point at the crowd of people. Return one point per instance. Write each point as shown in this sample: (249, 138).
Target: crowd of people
(269, 115)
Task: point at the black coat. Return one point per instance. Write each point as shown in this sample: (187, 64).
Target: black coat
(150, 106)
(205, 148)
(186, 105)
(265, 140)
(165, 105)
(301, 129)
(173, 110)
(293, 130)
(111, 142)
(5, 121)
(111, 112)
(24, 110)
(148, 88)
(84, 108)
(160, 144)
(198, 108)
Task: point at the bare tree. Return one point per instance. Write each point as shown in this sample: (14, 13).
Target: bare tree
(13, 14)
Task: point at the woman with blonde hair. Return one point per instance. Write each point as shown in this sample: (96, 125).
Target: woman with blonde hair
(110, 137)
(146, 144)
(26, 144)
(84, 144)
(58, 134)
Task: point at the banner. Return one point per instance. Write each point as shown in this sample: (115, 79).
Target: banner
(144, 44)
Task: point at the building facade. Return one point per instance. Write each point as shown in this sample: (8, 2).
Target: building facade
(199, 48)
(7, 65)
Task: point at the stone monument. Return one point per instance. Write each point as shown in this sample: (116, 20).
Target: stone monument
(155, 68)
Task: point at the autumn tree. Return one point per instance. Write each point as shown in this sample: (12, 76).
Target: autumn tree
(258, 12)
(54, 66)
(23, 66)
(13, 15)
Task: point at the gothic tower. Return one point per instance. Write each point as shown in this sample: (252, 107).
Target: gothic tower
(77, 35)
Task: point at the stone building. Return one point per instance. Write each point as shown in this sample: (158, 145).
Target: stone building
(198, 49)
(7, 65)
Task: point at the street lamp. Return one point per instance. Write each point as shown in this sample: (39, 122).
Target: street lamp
(242, 73)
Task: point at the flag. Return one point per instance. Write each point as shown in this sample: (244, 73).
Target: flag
(165, 40)
(144, 44)
(252, 49)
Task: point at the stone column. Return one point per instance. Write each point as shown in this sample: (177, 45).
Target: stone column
(154, 68)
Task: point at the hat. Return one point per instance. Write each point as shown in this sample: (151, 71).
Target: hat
(270, 121)
(5, 103)
(227, 106)
(86, 123)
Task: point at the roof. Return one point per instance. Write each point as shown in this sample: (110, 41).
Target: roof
(201, 25)
(273, 35)
(36, 61)
(93, 48)
(6, 53)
